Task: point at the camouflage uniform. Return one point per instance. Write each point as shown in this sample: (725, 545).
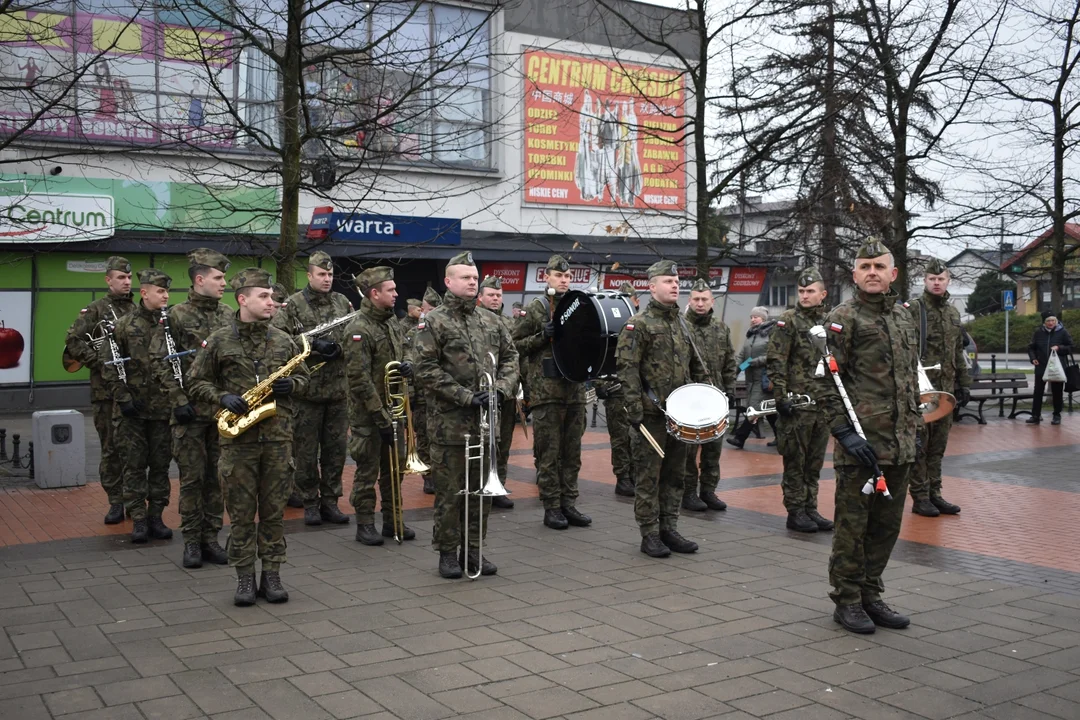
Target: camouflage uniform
(194, 444)
(452, 344)
(419, 408)
(375, 340)
(619, 433)
(255, 466)
(803, 438)
(78, 348)
(875, 344)
(557, 404)
(322, 420)
(507, 410)
(408, 322)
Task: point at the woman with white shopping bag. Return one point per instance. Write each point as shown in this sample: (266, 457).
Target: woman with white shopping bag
(1050, 342)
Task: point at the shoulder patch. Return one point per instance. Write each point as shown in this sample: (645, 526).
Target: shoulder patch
(421, 325)
(357, 338)
(781, 323)
(836, 327)
(83, 310)
(907, 304)
(203, 343)
(628, 326)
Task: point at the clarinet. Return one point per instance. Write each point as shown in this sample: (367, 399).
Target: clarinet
(170, 346)
(114, 349)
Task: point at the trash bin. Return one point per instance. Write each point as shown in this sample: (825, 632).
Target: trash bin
(59, 448)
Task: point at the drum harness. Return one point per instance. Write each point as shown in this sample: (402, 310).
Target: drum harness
(708, 376)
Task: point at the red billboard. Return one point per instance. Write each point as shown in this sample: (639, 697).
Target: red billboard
(512, 274)
(746, 280)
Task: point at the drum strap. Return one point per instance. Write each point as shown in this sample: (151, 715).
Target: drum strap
(690, 337)
(651, 395)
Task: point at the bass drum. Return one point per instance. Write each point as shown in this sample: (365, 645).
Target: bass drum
(587, 327)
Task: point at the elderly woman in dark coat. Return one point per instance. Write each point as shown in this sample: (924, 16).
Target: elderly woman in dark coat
(1051, 335)
(752, 355)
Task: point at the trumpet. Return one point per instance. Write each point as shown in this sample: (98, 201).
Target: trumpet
(768, 407)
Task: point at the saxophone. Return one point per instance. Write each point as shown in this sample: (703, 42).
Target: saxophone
(231, 425)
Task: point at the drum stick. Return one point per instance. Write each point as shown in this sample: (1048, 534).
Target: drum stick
(652, 441)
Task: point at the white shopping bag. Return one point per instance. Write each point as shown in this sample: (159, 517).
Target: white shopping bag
(1055, 371)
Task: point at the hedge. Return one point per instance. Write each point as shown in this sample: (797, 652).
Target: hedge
(989, 330)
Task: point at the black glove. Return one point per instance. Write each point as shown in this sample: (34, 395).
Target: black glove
(963, 395)
(856, 445)
(406, 369)
(282, 386)
(635, 423)
(549, 330)
(184, 414)
(387, 435)
(481, 399)
(783, 407)
(130, 408)
(601, 393)
(327, 348)
(235, 404)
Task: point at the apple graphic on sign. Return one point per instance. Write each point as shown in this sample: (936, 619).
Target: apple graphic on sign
(11, 346)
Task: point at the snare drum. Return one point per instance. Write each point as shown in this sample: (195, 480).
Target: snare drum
(697, 413)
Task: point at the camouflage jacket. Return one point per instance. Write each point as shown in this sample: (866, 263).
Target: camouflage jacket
(374, 339)
(943, 342)
(452, 346)
(876, 346)
(190, 322)
(78, 347)
(408, 324)
(236, 358)
(792, 359)
(654, 351)
(534, 348)
(304, 311)
(713, 341)
(133, 334)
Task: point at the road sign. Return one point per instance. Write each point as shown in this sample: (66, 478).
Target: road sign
(1008, 299)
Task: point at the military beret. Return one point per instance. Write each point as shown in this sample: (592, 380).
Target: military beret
(209, 258)
(492, 281)
(413, 302)
(517, 305)
(153, 276)
(251, 277)
(117, 263)
(320, 259)
(663, 267)
(809, 276)
(936, 267)
(558, 262)
(279, 295)
(372, 276)
(432, 298)
(872, 248)
(700, 286)
(462, 258)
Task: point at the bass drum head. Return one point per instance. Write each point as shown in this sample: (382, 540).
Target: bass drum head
(587, 329)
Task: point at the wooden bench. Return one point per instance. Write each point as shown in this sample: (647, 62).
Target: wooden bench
(999, 387)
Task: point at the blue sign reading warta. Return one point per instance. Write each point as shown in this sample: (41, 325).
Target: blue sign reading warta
(355, 227)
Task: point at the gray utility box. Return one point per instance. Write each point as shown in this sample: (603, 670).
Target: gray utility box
(59, 448)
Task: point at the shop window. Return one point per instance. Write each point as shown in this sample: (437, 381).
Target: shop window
(782, 295)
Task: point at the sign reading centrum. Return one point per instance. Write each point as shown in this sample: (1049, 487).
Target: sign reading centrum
(37, 217)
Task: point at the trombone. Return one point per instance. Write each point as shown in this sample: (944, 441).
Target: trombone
(397, 403)
(489, 447)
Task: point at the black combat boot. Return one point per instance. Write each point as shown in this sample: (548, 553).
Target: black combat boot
(652, 546)
(691, 501)
(115, 516)
(736, 441)
(368, 535)
(407, 532)
(449, 567)
(295, 501)
(157, 527)
(192, 555)
(214, 553)
(711, 501)
(883, 615)
(486, 566)
(245, 590)
(799, 521)
(1056, 420)
(925, 508)
(139, 532)
(312, 516)
(575, 517)
(329, 512)
(944, 506)
(677, 542)
(854, 618)
(555, 519)
(624, 487)
(502, 502)
(270, 587)
(429, 488)
(821, 522)
(1033, 420)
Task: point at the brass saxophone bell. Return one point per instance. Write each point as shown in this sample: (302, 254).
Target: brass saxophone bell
(414, 465)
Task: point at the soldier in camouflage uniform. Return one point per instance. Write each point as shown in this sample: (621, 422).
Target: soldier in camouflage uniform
(941, 341)
(876, 348)
(801, 433)
(452, 344)
(322, 421)
(194, 433)
(78, 351)
(375, 339)
(256, 465)
(141, 420)
(557, 404)
(279, 295)
(619, 435)
(654, 358)
(713, 342)
(490, 298)
(430, 301)
(412, 316)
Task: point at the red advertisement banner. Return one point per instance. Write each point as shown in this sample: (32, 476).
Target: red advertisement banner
(512, 274)
(746, 280)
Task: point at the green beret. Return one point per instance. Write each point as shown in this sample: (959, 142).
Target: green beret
(209, 258)
(462, 258)
(413, 302)
(809, 276)
(558, 262)
(700, 286)
(663, 267)
(251, 277)
(432, 298)
(372, 276)
(492, 281)
(117, 263)
(628, 289)
(153, 276)
(517, 305)
(320, 259)
(279, 295)
(936, 267)
(872, 248)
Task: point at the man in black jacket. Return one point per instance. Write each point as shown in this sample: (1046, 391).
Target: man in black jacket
(1049, 336)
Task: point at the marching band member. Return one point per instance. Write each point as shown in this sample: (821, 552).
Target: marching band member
(490, 298)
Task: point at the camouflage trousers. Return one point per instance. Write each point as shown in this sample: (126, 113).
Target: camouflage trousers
(704, 476)
(372, 459)
(319, 442)
(658, 484)
(419, 421)
(448, 472)
(255, 478)
(926, 477)
(866, 530)
(111, 468)
(802, 440)
(507, 418)
(557, 431)
(621, 437)
(144, 450)
(195, 447)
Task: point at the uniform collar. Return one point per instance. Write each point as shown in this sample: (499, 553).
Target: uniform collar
(315, 297)
(936, 301)
(202, 302)
(465, 306)
(659, 309)
(122, 298)
(814, 313)
(256, 328)
(146, 312)
(375, 312)
(882, 302)
(702, 320)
